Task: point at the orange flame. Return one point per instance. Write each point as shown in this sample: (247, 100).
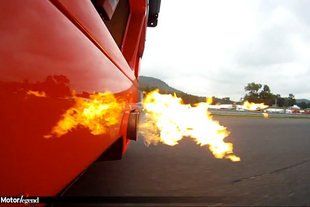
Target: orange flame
(97, 113)
(254, 106)
(36, 93)
(168, 121)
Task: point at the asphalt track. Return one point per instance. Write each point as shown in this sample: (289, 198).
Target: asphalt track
(274, 169)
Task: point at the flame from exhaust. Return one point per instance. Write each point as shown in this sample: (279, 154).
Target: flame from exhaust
(97, 113)
(254, 106)
(36, 93)
(168, 121)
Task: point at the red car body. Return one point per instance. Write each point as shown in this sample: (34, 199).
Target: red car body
(63, 50)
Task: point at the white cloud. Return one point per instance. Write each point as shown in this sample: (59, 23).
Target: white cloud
(215, 47)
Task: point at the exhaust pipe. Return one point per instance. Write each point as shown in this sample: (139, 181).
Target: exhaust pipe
(132, 128)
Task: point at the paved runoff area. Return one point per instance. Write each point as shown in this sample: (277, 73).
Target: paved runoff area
(274, 169)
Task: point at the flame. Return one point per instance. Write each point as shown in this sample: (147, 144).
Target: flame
(97, 113)
(168, 121)
(36, 93)
(254, 106)
(265, 115)
(209, 100)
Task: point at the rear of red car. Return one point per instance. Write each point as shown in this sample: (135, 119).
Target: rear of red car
(61, 61)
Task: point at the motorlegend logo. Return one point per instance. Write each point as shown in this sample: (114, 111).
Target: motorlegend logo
(19, 200)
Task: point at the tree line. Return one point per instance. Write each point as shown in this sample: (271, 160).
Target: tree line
(304, 105)
(258, 93)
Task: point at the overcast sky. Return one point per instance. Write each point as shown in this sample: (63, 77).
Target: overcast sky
(216, 47)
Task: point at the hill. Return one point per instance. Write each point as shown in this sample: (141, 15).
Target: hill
(302, 100)
(149, 84)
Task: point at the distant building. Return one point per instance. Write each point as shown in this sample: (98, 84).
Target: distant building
(295, 107)
(275, 110)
